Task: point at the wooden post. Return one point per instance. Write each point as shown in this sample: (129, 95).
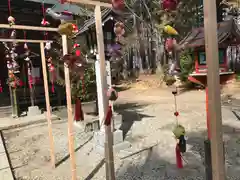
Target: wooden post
(213, 83)
(45, 79)
(103, 101)
(69, 111)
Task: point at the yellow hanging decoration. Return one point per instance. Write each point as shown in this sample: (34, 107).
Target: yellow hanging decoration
(170, 30)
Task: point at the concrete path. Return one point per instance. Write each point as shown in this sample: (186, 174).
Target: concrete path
(5, 170)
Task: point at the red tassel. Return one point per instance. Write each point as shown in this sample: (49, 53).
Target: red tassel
(53, 77)
(108, 117)
(178, 158)
(78, 110)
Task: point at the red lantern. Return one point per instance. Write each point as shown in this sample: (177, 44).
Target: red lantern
(118, 4)
(170, 5)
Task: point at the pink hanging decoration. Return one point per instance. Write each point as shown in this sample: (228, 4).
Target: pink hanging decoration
(169, 44)
(53, 74)
(118, 4)
(170, 5)
(1, 89)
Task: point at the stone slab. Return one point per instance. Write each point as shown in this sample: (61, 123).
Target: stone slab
(33, 111)
(3, 161)
(117, 121)
(6, 174)
(116, 148)
(99, 137)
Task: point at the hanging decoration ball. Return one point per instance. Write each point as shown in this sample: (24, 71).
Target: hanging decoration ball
(78, 52)
(178, 131)
(65, 29)
(112, 94)
(170, 30)
(76, 45)
(75, 28)
(176, 114)
(48, 46)
(45, 22)
(11, 20)
(119, 29)
(170, 5)
(25, 46)
(118, 4)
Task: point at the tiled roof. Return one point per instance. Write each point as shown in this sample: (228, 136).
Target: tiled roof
(195, 38)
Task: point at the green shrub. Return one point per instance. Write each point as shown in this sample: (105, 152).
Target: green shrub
(186, 65)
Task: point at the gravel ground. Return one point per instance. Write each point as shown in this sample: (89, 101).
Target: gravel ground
(148, 119)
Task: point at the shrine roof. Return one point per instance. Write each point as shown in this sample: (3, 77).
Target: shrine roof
(226, 29)
(106, 15)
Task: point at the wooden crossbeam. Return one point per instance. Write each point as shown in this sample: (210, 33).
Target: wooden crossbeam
(24, 40)
(30, 28)
(91, 2)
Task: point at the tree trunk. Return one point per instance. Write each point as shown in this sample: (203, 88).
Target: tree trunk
(78, 110)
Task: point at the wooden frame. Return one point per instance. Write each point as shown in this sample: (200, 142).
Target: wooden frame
(45, 80)
(91, 2)
(68, 91)
(213, 87)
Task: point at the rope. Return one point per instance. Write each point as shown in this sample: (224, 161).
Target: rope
(9, 8)
(176, 108)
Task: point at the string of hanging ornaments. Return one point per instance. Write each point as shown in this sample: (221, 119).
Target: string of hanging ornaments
(74, 60)
(11, 55)
(49, 59)
(171, 46)
(179, 134)
(29, 63)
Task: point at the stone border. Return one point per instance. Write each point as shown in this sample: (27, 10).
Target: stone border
(5, 168)
(10, 123)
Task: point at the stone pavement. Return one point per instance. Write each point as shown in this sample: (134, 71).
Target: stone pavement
(5, 170)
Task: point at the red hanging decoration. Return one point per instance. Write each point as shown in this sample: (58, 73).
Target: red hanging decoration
(176, 113)
(78, 110)
(118, 4)
(75, 28)
(1, 89)
(78, 52)
(169, 44)
(51, 69)
(170, 5)
(179, 161)
(108, 116)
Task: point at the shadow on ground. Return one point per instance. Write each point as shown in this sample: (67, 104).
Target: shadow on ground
(130, 112)
(153, 167)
